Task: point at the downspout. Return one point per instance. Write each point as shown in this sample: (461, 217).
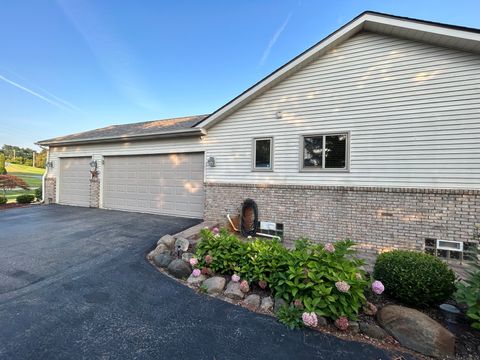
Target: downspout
(45, 173)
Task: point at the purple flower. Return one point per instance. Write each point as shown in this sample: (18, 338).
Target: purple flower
(196, 272)
(215, 230)
(193, 261)
(329, 247)
(310, 319)
(377, 287)
(235, 278)
(342, 286)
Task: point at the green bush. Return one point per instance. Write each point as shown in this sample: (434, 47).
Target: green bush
(415, 278)
(38, 194)
(307, 273)
(25, 198)
(290, 316)
(3, 200)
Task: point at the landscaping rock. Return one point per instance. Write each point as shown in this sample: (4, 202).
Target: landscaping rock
(160, 249)
(267, 304)
(322, 321)
(180, 269)
(354, 327)
(417, 331)
(162, 260)
(233, 291)
(187, 256)
(167, 240)
(214, 285)
(195, 281)
(279, 303)
(252, 301)
(373, 331)
(181, 244)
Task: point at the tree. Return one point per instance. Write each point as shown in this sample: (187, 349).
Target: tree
(3, 170)
(10, 182)
(41, 159)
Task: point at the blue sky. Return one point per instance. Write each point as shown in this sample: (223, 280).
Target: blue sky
(73, 65)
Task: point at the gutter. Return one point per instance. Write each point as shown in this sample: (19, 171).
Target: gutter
(44, 176)
(111, 139)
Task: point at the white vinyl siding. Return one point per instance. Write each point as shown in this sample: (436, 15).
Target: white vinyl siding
(412, 111)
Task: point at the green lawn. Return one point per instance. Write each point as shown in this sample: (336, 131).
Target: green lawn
(32, 176)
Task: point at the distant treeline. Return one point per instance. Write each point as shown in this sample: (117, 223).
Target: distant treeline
(24, 156)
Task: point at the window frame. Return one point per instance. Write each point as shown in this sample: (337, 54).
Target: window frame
(254, 154)
(302, 168)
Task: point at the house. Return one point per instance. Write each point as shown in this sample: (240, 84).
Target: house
(371, 134)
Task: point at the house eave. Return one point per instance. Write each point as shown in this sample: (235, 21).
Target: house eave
(126, 138)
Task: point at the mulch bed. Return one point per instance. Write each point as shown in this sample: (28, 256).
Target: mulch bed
(12, 206)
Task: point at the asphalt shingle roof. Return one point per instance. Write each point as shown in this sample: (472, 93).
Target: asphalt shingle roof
(135, 129)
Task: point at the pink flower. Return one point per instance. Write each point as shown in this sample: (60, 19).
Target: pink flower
(215, 230)
(262, 284)
(235, 278)
(196, 272)
(358, 276)
(206, 271)
(342, 323)
(310, 319)
(208, 259)
(193, 261)
(342, 286)
(329, 247)
(377, 287)
(244, 287)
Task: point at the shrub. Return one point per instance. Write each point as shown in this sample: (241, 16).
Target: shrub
(38, 194)
(290, 316)
(3, 200)
(307, 273)
(415, 278)
(468, 293)
(25, 199)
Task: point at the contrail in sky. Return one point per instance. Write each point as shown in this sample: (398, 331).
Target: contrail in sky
(274, 39)
(58, 103)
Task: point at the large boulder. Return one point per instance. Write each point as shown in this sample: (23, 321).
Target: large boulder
(180, 269)
(167, 240)
(233, 291)
(214, 285)
(417, 331)
(162, 260)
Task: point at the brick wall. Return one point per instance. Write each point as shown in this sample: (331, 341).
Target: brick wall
(375, 218)
(50, 190)
(94, 192)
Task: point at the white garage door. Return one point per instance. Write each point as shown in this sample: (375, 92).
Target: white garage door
(161, 184)
(75, 181)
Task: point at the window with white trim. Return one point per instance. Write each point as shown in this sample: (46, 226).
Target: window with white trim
(325, 152)
(263, 154)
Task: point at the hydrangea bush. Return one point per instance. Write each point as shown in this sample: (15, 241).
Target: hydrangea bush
(325, 279)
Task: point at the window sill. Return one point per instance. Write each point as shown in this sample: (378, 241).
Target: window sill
(306, 170)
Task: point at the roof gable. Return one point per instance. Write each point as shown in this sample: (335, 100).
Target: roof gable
(457, 37)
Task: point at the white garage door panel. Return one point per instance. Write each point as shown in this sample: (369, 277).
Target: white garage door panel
(163, 184)
(75, 181)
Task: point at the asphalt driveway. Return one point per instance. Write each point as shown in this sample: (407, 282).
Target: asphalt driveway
(74, 284)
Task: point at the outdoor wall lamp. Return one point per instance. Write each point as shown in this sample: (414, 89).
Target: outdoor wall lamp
(211, 161)
(49, 164)
(93, 165)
